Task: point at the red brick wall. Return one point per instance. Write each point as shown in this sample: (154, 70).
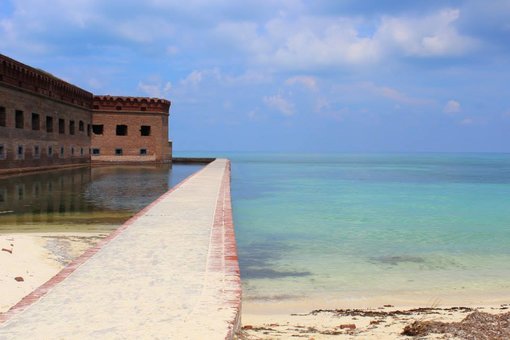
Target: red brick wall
(13, 99)
(156, 144)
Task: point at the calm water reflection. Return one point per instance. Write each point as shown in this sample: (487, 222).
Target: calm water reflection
(84, 199)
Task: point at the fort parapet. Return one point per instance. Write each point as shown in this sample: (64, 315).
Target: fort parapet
(39, 82)
(131, 104)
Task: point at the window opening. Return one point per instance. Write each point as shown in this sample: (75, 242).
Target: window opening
(20, 153)
(37, 152)
(3, 116)
(145, 130)
(36, 121)
(49, 124)
(20, 120)
(97, 129)
(71, 127)
(61, 126)
(122, 130)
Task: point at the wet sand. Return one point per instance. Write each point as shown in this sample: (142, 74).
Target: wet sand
(27, 260)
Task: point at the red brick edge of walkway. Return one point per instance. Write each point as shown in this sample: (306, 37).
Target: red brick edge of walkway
(222, 218)
(223, 254)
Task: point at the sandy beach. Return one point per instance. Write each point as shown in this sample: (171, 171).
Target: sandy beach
(375, 318)
(30, 259)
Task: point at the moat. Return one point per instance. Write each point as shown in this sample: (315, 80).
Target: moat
(87, 199)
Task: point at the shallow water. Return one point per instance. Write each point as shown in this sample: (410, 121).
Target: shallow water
(83, 199)
(354, 226)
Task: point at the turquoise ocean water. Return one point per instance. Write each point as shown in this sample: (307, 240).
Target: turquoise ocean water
(358, 225)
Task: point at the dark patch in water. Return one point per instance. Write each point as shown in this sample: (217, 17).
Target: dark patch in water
(278, 297)
(395, 260)
(256, 261)
(266, 273)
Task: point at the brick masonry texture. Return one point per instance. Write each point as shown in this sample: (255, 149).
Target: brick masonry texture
(44, 100)
(134, 113)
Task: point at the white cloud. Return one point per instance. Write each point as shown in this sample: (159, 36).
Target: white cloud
(155, 89)
(429, 36)
(306, 81)
(363, 89)
(193, 79)
(279, 103)
(308, 42)
(452, 107)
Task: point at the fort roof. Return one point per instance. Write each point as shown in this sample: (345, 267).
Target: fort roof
(17, 74)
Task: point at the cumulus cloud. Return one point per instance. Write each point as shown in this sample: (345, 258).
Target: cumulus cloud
(367, 89)
(429, 36)
(279, 103)
(452, 107)
(310, 41)
(155, 89)
(306, 81)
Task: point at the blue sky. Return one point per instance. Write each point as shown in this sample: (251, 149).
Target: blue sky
(288, 75)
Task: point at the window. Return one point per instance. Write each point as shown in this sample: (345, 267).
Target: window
(118, 108)
(49, 124)
(81, 126)
(143, 152)
(37, 152)
(61, 126)
(122, 130)
(118, 152)
(97, 129)
(3, 118)
(20, 152)
(2, 151)
(36, 121)
(20, 120)
(71, 127)
(62, 151)
(72, 151)
(81, 151)
(50, 151)
(88, 129)
(145, 130)
(96, 152)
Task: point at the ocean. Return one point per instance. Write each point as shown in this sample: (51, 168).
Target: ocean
(427, 227)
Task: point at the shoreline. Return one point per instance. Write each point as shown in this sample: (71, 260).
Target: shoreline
(28, 260)
(378, 317)
(382, 322)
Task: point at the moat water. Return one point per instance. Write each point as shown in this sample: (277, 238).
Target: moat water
(96, 199)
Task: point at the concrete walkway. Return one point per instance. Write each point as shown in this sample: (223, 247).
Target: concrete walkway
(170, 272)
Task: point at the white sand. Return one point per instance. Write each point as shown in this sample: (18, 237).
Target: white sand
(36, 257)
(287, 319)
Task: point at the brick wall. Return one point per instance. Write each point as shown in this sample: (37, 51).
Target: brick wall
(32, 145)
(136, 145)
(40, 100)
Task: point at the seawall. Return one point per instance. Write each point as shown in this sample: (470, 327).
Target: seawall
(171, 271)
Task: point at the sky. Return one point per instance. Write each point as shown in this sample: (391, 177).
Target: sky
(288, 75)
